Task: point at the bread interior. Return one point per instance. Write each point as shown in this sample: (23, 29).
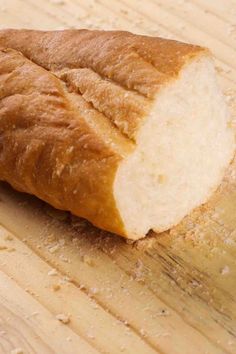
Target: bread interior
(183, 148)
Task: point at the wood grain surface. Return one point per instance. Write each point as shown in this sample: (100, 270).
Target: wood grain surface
(65, 286)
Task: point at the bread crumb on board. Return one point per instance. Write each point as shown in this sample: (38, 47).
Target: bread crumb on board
(94, 290)
(225, 270)
(52, 272)
(138, 272)
(8, 237)
(64, 258)
(65, 280)
(143, 332)
(88, 260)
(54, 249)
(65, 319)
(90, 335)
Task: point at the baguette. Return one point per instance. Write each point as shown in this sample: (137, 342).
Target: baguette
(127, 131)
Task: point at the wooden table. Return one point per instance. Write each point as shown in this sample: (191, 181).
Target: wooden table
(66, 287)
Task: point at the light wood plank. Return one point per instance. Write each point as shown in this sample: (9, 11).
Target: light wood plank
(87, 317)
(25, 324)
(115, 282)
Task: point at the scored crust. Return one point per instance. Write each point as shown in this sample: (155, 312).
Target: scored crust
(118, 72)
(71, 109)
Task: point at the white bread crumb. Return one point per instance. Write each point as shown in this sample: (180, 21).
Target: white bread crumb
(52, 272)
(225, 270)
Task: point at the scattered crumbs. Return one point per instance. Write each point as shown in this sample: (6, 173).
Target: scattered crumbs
(52, 272)
(3, 247)
(68, 339)
(65, 319)
(129, 242)
(94, 290)
(64, 259)
(70, 149)
(75, 240)
(225, 270)
(56, 287)
(2, 333)
(146, 243)
(17, 351)
(122, 348)
(54, 248)
(138, 273)
(61, 242)
(88, 260)
(139, 264)
(8, 237)
(143, 332)
(229, 241)
(51, 238)
(196, 284)
(90, 335)
(65, 280)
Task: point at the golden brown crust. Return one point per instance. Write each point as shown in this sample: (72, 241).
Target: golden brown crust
(64, 130)
(49, 150)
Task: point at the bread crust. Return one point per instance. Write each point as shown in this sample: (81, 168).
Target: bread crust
(71, 105)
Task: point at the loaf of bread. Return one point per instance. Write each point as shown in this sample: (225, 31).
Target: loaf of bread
(127, 131)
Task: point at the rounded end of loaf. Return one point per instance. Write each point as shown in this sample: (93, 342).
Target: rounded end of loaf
(183, 149)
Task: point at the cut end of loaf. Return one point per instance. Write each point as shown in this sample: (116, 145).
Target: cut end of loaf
(183, 149)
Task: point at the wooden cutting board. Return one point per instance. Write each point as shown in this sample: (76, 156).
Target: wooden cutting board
(66, 287)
